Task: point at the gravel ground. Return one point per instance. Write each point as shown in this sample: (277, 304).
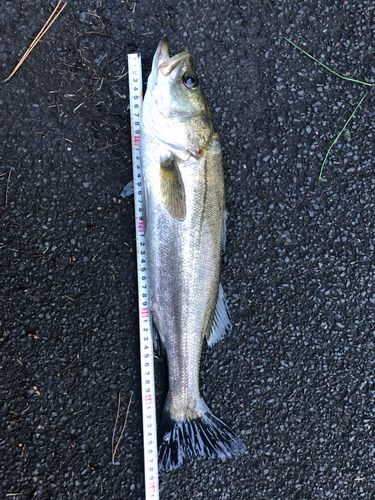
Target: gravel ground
(296, 377)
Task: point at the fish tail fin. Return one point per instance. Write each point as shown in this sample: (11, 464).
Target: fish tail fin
(206, 436)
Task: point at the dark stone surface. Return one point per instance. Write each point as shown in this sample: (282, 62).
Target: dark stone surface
(296, 377)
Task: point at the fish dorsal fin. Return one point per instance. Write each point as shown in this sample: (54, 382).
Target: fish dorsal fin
(224, 231)
(172, 188)
(221, 323)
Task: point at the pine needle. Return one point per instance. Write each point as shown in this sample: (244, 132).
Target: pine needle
(41, 33)
(114, 449)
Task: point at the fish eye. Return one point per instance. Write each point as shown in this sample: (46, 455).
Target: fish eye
(191, 81)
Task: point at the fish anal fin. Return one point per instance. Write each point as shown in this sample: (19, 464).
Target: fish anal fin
(159, 349)
(221, 323)
(172, 188)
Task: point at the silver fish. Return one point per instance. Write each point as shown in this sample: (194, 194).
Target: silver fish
(184, 218)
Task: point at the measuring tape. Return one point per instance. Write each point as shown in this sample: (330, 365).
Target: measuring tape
(146, 342)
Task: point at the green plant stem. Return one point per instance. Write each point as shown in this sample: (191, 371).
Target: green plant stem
(326, 67)
(334, 142)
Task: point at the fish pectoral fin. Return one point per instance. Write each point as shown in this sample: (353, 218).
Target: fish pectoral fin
(128, 190)
(172, 188)
(221, 323)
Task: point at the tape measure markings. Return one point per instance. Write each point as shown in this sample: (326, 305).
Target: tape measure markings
(146, 342)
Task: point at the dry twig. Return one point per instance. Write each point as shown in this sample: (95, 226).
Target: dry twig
(114, 450)
(41, 33)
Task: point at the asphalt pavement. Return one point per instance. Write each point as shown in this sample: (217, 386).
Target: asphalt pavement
(295, 379)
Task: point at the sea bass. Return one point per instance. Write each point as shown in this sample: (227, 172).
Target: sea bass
(184, 219)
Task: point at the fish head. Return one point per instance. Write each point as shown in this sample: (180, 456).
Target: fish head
(175, 108)
(176, 85)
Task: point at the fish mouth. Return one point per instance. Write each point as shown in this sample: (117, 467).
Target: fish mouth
(167, 64)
